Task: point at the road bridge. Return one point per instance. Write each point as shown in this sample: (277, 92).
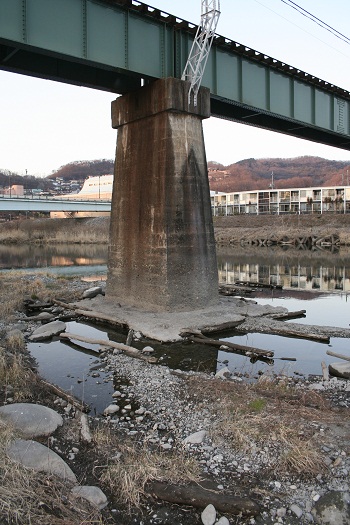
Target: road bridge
(50, 204)
(117, 45)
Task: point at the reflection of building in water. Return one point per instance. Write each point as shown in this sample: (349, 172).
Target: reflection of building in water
(297, 277)
(334, 199)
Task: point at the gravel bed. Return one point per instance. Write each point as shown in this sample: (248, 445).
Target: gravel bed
(162, 411)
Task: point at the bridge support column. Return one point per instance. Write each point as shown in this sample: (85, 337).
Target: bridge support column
(162, 251)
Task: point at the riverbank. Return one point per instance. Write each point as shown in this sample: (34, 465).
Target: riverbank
(228, 230)
(245, 228)
(278, 446)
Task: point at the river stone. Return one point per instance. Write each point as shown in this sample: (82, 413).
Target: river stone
(224, 373)
(332, 509)
(92, 292)
(209, 515)
(93, 495)
(340, 370)
(110, 410)
(196, 438)
(43, 316)
(31, 420)
(48, 330)
(223, 521)
(40, 458)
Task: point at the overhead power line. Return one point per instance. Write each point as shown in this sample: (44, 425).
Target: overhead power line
(317, 21)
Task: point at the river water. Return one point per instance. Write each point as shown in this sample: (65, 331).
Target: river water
(318, 282)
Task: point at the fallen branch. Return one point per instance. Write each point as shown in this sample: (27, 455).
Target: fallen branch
(83, 407)
(67, 306)
(340, 356)
(199, 497)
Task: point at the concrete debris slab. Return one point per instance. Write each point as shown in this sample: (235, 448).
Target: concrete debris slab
(31, 420)
(40, 458)
(340, 370)
(167, 326)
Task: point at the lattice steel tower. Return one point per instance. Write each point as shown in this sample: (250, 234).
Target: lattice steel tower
(200, 50)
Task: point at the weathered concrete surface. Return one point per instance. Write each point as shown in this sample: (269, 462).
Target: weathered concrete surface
(167, 326)
(162, 250)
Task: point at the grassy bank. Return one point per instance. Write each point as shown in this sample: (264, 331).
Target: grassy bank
(227, 229)
(55, 231)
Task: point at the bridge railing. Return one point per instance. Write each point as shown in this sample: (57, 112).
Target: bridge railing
(52, 198)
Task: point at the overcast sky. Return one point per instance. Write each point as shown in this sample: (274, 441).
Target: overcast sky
(45, 124)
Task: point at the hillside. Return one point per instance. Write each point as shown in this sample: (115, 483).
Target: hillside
(248, 174)
(82, 169)
(252, 174)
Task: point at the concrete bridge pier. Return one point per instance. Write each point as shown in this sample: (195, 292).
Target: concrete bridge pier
(162, 252)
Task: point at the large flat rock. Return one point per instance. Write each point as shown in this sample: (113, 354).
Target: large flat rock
(48, 330)
(40, 458)
(31, 420)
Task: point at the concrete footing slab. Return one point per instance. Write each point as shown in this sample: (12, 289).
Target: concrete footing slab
(168, 326)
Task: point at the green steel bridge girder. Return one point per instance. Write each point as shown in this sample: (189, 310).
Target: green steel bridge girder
(116, 45)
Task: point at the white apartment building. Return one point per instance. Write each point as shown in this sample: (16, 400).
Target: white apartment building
(335, 199)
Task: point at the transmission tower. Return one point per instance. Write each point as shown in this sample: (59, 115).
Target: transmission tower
(200, 50)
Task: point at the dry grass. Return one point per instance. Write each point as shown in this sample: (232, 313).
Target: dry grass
(16, 286)
(13, 372)
(31, 498)
(135, 465)
(58, 231)
(271, 414)
(15, 341)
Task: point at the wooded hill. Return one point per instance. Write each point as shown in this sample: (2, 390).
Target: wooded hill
(82, 169)
(249, 174)
(256, 174)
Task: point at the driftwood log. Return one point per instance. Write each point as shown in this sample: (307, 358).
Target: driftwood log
(249, 351)
(199, 497)
(285, 331)
(128, 350)
(289, 315)
(340, 356)
(325, 371)
(67, 306)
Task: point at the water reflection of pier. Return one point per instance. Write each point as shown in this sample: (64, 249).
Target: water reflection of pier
(291, 270)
